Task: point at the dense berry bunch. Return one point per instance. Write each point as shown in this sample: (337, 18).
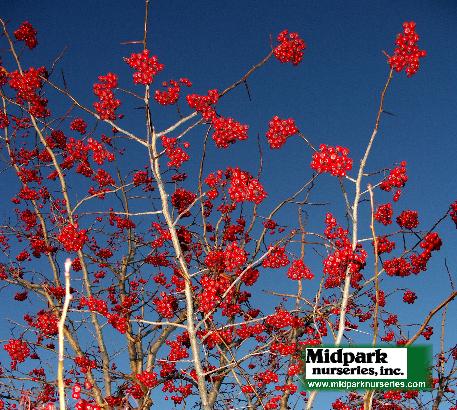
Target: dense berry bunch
(27, 34)
(46, 322)
(99, 152)
(149, 379)
(397, 267)
(107, 105)
(165, 305)
(384, 245)
(282, 318)
(298, 270)
(408, 219)
(277, 258)
(384, 214)
(333, 160)
(27, 85)
(244, 187)
(290, 48)
(79, 125)
(4, 121)
(397, 178)
(17, 349)
(407, 53)
(71, 238)
(85, 364)
(227, 131)
(431, 242)
(428, 332)
(146, 67)
(182, 199)
(409, 297)
(453, 212)
(234, 257)
(203, 103)
(175, 154)
(344, 259)
(171, 95)
(279, 130)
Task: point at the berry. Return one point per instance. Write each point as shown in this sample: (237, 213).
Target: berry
(17, 349)
(333, 160)
(290, 48)
(408, 220)
(277, 258)
(72, 239)
(107, 104)
(298, 270)
(279, 130)
(27, 34)
(407, 53)
(409, 297)
(384, 214)
(78, 124)
(146, 67)
(227, 131)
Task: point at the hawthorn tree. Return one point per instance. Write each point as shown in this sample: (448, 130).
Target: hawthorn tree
(153, 308)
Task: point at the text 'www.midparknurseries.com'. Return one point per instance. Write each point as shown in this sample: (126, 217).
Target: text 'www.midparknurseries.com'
(357, 368)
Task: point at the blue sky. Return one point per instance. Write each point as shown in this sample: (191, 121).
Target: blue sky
(332, 95)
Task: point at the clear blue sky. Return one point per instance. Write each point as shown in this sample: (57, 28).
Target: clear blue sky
(332, 95)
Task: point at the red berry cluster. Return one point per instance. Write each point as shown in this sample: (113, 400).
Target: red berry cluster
(146, 67)
(4, 121)
(298, 270)
(182, 199)
(149, 379)
(333, 160)
(212, 288)
(79, 125)
(431, 242)
(142, 177)
(18, 351)
(166, 305)
(234, 257)
(120, 323)
(277, 258)
(46, 322)
(249, 277)
(267, 377)
(409, 297)
(76, 391)
(71, 238)
(384, 214)
(397, 267)
(171, 95)
(344, 259)
(85, 364)
(244, 187)
(453, 212)
(26, 85)
(107, 105)
(384, 245)
(391, 320)
(227, 131)
(279, 130)
(407, 53)
(427, 332)
(27, 33)
(397, 178)
(282, 318)
(283, 348)
(408, 219)
(176, 155)
(290, 48)
(203, 103)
